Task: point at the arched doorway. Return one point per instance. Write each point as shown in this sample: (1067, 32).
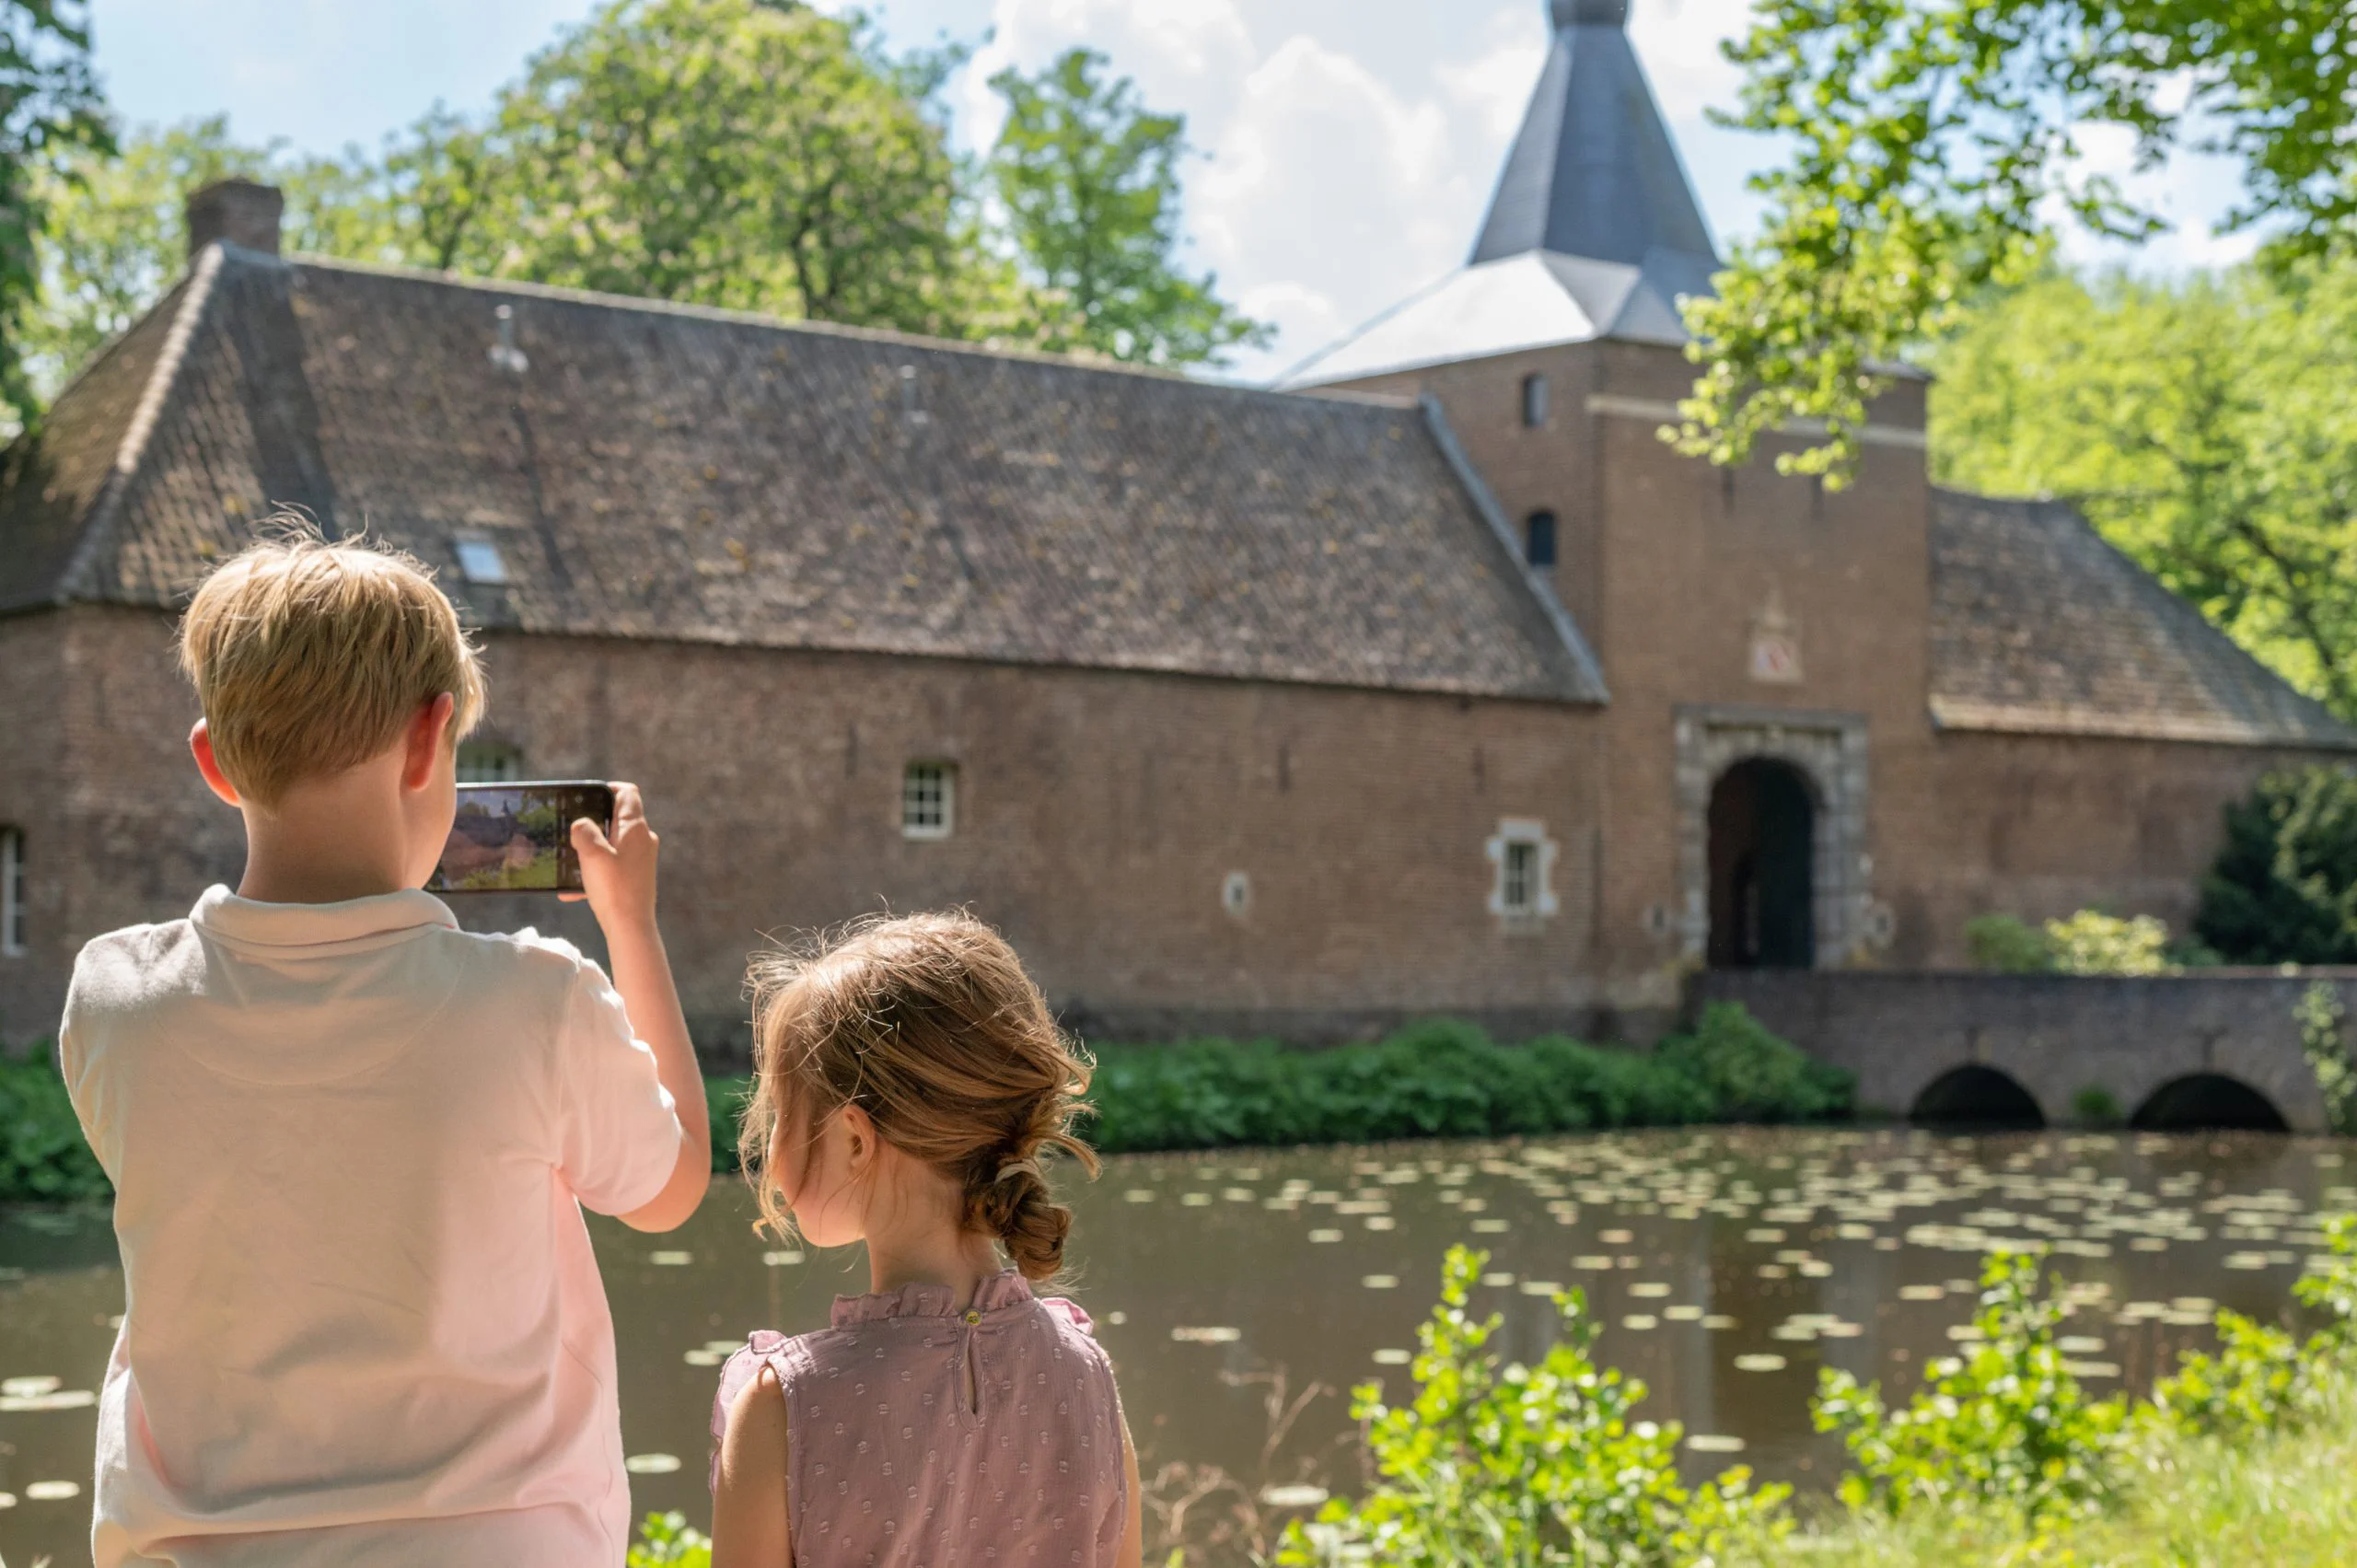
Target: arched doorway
(1981, 1098)
(2207, 1101)
(1763, 859)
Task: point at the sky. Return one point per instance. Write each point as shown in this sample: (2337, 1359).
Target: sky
(1348, 148)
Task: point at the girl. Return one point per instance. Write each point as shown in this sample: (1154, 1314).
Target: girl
(908, 1077)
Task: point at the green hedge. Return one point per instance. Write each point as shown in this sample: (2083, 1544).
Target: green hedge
(1449, 1079)
(1439, 1079)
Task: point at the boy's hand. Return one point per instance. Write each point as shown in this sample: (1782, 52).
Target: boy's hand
(618, 874)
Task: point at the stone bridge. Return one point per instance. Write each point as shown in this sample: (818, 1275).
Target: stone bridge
(2216, 1048)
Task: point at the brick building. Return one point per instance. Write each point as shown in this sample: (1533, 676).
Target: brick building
(1433, 681)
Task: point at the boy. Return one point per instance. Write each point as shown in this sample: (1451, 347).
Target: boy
(350, 1143)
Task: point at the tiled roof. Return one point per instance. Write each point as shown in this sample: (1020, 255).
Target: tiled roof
(2039, 626)
(662, 472)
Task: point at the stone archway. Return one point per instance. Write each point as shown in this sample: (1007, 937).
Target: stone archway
(2207, 1101)
(1763, 855)
(1827, 753)
(1981, 1098)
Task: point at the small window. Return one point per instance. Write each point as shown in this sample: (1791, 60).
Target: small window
(1539, 538)
(928, 800)
(1534, 401)
(1523, 892)
(479, 561)
(1236, 894)
(12, 893)
(489, 762)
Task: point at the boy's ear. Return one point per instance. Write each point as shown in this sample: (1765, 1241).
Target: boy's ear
(199, 746)
(424, 739)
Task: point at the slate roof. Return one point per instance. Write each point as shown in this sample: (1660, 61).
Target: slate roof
(2040, 627)
(665, 472)
(1593, 232)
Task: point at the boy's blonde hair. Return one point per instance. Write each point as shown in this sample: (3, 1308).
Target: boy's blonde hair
(308, 657)
(928, 1024)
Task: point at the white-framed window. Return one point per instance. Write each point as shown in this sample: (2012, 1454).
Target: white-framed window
(929, 800)
(479, 561)
(489, 762)
(1522, 858)
(1534, 401)
(12, 892)
(1236, 894)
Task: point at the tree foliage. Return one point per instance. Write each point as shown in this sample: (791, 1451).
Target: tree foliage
(1088, 179)
(2203, 426)
(1934, 141)
(50, 109)
(2284, 890)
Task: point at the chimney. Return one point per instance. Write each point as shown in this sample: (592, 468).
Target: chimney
(238, 211)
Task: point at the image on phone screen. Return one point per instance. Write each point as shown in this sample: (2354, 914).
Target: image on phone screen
(517, 838)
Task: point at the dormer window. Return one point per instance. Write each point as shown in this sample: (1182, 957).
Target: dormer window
(1539, 538)
(479, 561)
(1534, 401)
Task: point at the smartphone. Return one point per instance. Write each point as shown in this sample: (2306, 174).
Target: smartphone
(517, 838)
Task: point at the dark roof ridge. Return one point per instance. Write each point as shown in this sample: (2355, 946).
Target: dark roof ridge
(194, 294)
(728, 316)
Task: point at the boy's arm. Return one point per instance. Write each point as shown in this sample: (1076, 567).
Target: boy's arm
(618, 877)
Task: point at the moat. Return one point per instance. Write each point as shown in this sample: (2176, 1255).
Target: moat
(1725, 1265)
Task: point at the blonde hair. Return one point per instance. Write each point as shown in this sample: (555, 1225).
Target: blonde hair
(929, 1024)
(308, 657)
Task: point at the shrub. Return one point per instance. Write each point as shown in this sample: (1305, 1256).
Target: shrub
(2324, 1041)
(664, 1539)
(1443, 1078)
(2003, 943)
(1520, 1465)
(2092, 942)
(43, 1156)
(2004, 1426)
(2095, 1105)
(2285, 888)
(2262, 1379)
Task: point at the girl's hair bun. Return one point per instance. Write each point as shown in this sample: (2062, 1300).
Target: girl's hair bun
(928, 1024)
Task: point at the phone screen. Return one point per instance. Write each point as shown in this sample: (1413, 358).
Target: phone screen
(517, 838)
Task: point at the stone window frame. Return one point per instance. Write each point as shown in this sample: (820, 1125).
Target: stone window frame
(1541, 904)
(12, 893)
(487, 760)
(929, 799)
(1829, 751)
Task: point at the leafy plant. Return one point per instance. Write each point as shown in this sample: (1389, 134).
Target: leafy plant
(2324, 1040)
(2262, 1378)
(2004, 944)
(43, 1156)
(2095, 1105)
(1513, 1464)
(2092, 942)
(666, 1540)
(1753, 1074)
(2005, 1424)
(2285, 888)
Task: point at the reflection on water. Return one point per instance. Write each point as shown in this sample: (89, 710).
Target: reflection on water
(1242, 1293)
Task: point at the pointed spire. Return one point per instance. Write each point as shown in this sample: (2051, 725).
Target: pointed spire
(1594, 173)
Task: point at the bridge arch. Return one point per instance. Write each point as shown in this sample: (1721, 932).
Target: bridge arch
(2205, 1101)
(1982, 1098)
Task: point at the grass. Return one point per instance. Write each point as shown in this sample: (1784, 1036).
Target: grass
(2285, 1500)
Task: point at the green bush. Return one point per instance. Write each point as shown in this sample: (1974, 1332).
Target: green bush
(2004, 944)
(2004, 1426)
(42, 1157)
(2095, 1105)
(2092, 942)
(1449, 1079)
(1520, 1466)
(665, 1541)
(2285, 888)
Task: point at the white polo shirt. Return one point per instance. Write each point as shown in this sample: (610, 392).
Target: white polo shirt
(349, 1146)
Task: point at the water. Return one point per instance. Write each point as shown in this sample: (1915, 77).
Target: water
(1239, 1289)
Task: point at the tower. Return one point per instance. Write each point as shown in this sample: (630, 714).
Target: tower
(1593, 232)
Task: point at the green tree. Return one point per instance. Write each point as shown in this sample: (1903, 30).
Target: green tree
(2202, 425)
(2285, 888)
(1931, 141)
(50, 109)
(1089, 181)
(738, 153)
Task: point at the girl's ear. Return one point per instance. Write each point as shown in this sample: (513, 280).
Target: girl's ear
(861, 1144)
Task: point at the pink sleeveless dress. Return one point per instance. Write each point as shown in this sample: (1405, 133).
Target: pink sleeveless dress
(892, 1461)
